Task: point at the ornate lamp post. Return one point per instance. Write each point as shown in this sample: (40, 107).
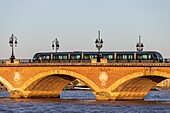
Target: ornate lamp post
(99, 45)
(55, 44)
(139, 45)
(12, 41)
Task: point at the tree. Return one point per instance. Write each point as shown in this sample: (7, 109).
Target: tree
(75, 82)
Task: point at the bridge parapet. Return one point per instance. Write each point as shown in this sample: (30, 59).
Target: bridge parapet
(166, 60)
(29, 64)
(103, 61)
(16, 61)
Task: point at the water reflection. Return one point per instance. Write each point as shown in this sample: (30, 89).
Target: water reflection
(158, 96)
(78, 94)
(4, 94)
(84, 101)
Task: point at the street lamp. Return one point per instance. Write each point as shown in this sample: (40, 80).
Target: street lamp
(55, 44)
(139, 45)
(99, 44)
(12, 41)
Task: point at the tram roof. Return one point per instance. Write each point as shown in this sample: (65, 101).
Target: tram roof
(103, 52)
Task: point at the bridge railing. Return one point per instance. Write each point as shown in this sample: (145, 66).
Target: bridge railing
(88, 61)
(24, 61)
(2, 61)
(61, 61)
(132, 61)
(166, 60)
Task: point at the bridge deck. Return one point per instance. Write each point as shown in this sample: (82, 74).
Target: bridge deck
(113, 63)
(89, 64)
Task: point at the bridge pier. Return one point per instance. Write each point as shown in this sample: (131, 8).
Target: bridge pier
(106, 95)
(102, 95)
(128, 95)
(16, 94)
(34, 94)
(41, 94)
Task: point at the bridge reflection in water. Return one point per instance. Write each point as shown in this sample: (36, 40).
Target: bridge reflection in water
(84, 101)
(107, 80)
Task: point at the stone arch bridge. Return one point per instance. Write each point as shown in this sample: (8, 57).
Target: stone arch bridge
(108, 81)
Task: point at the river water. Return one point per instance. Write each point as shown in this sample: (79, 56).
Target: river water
(84, 102)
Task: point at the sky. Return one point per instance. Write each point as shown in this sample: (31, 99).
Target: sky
(75, 23)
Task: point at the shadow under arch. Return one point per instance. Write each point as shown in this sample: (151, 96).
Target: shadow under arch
(81, 77)
(137, 75)
(136, 85)
(6, 84)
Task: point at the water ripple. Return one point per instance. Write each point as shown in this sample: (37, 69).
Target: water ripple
(84, 102)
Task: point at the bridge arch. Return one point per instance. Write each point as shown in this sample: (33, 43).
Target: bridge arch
(6, 84)
(136, 85)
(137, 75)
(55, 72)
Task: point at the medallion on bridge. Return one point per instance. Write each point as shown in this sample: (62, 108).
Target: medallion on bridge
(103, 77)
(17, 77)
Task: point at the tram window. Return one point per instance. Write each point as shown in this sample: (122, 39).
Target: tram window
(86, 57)
(105, 56)
(43, 57)
(37, 57)
(144, 57)
(55, 57)
(65, 57)
(154, 56)
(149, 57)
(139, 57)
(130, 57)
(75, 57)
(78, 57)
(92, 56)
(110, 57)
(60, 57)
(124, 57)
(46, 57)
(119, 57)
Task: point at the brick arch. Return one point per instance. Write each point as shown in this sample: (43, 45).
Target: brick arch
(91, 84)
(137, 75)
(6, 84)
(136, 85)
